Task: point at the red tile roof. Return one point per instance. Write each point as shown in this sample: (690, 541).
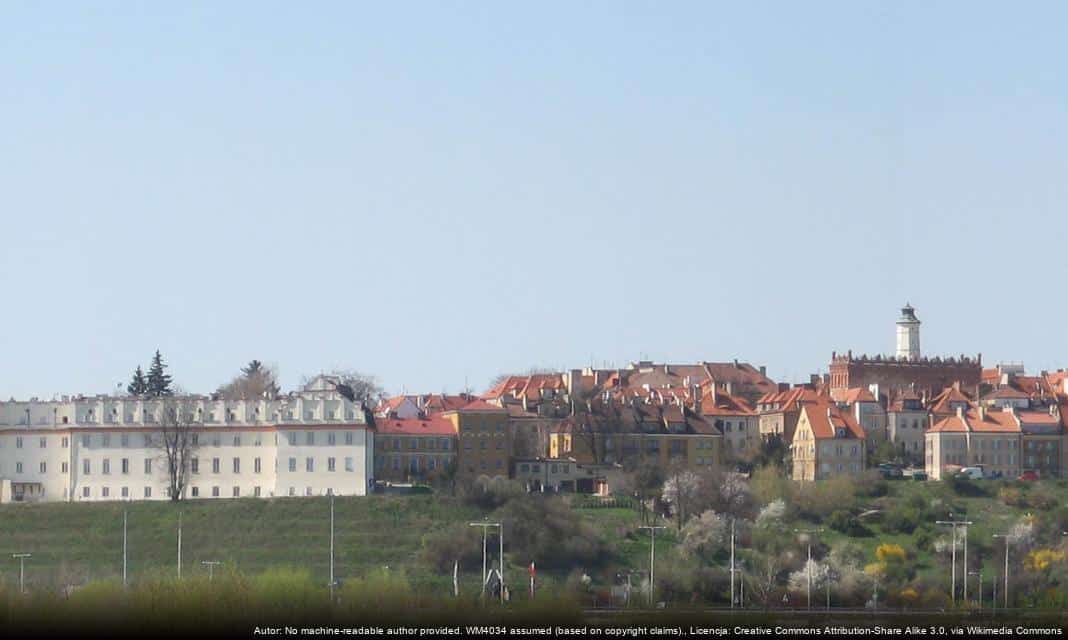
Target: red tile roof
(854, 395)
(991, 422)
(432, 425)
(482, 406)
(825, 419)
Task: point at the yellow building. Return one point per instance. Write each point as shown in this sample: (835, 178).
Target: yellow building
(827, 442)
(484, 440)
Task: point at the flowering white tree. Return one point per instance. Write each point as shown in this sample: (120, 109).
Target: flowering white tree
(704, 535)
(681, 491)
(771, 514)
(798, 581)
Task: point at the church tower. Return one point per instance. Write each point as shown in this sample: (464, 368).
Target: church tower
(908, 334)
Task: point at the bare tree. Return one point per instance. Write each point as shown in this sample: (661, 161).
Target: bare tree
(359, 387)
(177, 441)
(255, 381)
(764, 581)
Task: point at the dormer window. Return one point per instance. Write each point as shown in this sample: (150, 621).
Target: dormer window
(839, 432)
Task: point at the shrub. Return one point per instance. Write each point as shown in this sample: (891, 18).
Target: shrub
(901, 521)
(1042, 501)
(845, 522)
(1012, 497)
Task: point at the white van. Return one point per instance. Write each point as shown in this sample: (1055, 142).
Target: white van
(973, 473)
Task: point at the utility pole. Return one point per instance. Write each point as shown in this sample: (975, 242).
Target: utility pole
(211, 568)
(331, 547)
(652, 557)
(22, 569)
(953, 580)
(179, 545)
(979, 574)
(808, 566)
(485, 528)
(732, 563)
(1006, 537)
(124, 548)
(500, 538)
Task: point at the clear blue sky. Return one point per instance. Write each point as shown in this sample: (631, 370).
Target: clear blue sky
(433, 192)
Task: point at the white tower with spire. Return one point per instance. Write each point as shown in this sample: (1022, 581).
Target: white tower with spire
(908, 334)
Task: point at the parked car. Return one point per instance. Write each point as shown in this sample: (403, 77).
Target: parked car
(1029, 475)
(889, 470)
(974, 473)
(919, 475)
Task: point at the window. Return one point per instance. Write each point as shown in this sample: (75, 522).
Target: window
(43, 442)
(330, 464)
(237, 465)
(105, 440)
(331, 438)
(148, 440)
(85, 466)
(196, 492)
(107, 466)
(348, 464)
(215, 441)
(44, 467)
(104, 492)
(126, 492)
(292, 465)
(18, 467)
(195, 465)
(63, 467)
(309, 464)
(65, 442)
(148, 492)
(256, 467)
(124, 439)
(309, 438)
(348, 437)
(237, 441)
(237, 492)
(292, 437)
(215, 465)
(85, 492)
(256, 491)
(444, 444)
(292, 491)
(87, 440)
(196, 439)
(148, 465)
(215, 492)
(18, 442)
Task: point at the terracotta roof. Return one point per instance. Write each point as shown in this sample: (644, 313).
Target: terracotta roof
(724, 405)
(1006, 392)
(481, 405)
(854, 395)
(787, 399)
(942, 403)
(825, 419)
(432, 425)
(1043, 418)
(992, 422)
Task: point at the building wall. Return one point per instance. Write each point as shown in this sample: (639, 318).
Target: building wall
(907, 430)
(75, 449)
(820, 458)
(396, 459)
(994, 452)
(484, 443)
(895, 374)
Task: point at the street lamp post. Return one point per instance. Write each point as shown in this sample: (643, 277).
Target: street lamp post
(22, 569)
(953, 580)
(1007, 538)
(485, 528)
(808, 566)
(652, 557)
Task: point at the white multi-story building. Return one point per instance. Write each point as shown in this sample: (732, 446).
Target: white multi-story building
(311, 442)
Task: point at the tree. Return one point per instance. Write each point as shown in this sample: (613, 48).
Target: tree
(704, 535)
(682, 491)
(159, 382)
(764, 580)
(359, 387)
(138, 385)
(176, 439)
(255, 381)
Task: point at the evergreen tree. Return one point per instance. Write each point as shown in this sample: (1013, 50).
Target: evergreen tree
(159, 383)
(138, 385)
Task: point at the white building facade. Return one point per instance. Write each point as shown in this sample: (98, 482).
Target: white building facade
(311, 442)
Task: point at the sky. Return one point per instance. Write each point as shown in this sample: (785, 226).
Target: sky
(435, 193)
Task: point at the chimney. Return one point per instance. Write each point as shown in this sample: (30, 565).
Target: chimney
(982, 412)
(736, 364)
(763, 371)
(960, 412)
